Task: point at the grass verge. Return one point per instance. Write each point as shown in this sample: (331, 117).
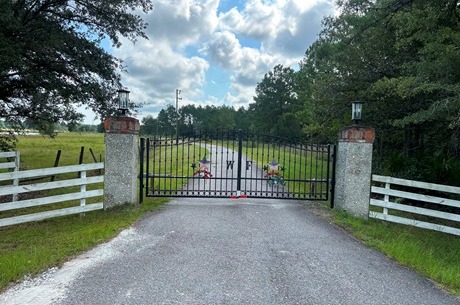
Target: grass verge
(26, 249)
(173, 163)
(31, 248)
(433, 254)
(299, 165)
(40, 152)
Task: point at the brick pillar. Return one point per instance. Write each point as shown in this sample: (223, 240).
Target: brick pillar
(121, 161)
(354, 170)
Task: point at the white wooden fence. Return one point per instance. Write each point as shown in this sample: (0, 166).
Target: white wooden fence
(82, 195)
(391, 198)
(8, 165)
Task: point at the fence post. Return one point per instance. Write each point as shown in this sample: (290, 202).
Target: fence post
(17, 163)
(56, 164)
(354, 170)
(121, 161)
(386, 198)
(83, 190)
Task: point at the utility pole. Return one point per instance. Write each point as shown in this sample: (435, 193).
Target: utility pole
(177, 115)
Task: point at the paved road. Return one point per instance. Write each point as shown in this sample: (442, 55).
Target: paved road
(222, 251)
(224, 169)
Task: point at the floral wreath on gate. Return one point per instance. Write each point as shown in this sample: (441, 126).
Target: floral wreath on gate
(273, 173)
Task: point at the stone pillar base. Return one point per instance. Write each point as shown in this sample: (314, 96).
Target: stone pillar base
(354, 170)
(121, 161)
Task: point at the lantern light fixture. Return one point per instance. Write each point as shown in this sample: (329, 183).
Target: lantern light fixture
(123, 100)
(356, 111)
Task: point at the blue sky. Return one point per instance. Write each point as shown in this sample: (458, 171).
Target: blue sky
(215, 51)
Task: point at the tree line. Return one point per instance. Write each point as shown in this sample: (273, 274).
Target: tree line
(51, 59)
(274, 111)
(193, 119)
(401, 58)
(57, 127)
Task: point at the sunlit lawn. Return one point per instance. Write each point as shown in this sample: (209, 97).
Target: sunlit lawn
(25, 249)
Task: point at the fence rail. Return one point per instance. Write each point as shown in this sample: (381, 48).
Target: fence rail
(391, 197)
(82, 195)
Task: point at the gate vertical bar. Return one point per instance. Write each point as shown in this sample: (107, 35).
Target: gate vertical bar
(221, 162)
(327, 170)
(155, 159)
(334, 161)
(189, 141)
(240, 156)
(170, 180)
(322, 172)
(147, 165)
(230, 135)
(141, 170)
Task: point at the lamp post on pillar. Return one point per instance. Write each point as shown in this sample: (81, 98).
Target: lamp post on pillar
(123, 101)
(356, 111)
(121, 155)
(354, 165)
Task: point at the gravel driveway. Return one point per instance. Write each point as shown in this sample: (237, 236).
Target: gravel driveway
(222, 251)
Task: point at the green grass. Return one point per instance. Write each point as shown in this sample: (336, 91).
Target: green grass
(175, 161)
(25, 249)
(37, 151)
(298, 164)
(40, 152)
(433, 254)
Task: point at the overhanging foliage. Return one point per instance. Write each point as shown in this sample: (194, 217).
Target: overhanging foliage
(51, 60)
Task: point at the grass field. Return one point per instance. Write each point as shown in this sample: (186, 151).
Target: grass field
(304, 170)
(40, 152)
(174, 161)
(299, 165)
(25, 249)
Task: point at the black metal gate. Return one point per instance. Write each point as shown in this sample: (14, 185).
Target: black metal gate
(235, 164)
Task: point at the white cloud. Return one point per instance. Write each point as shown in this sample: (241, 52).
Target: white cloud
(257, 20)
(283, 26)
(246, 65)
(284, 29)
(182, 22)
(300, 29)
(187, 37)
(155, 71)
(224, 49)
(158, 66)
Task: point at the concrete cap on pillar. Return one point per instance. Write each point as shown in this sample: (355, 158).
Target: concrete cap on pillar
(357, 134)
